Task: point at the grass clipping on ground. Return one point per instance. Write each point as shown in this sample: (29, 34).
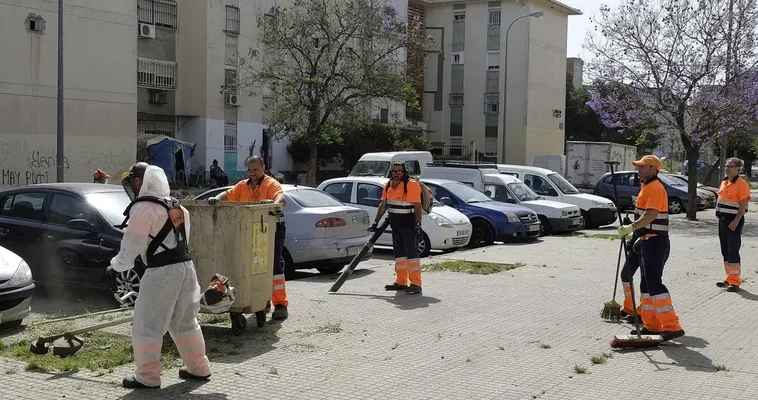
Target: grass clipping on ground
(102, 351)
(471, 267)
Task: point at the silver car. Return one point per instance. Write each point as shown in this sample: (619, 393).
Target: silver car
(16, 287)
(322, 232)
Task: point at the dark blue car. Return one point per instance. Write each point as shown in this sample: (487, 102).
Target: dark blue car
(491, 220)
(628, 186)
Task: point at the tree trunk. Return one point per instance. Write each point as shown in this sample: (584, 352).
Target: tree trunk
(714, 168)
(312, 165)
(692, 157)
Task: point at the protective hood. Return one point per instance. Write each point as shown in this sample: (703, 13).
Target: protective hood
(155, 183)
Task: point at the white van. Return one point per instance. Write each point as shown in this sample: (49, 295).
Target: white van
(597, 211)
(378, 164)
(554, 216)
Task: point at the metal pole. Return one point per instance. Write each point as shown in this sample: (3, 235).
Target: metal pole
(59, 155)
(722, 142)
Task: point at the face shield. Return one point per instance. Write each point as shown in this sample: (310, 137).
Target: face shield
(127, 181)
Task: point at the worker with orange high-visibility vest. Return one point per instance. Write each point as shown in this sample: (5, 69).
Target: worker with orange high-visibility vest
(652, 228)
(734, 196)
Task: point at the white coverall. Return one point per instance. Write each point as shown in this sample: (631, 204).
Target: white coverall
(169, 296)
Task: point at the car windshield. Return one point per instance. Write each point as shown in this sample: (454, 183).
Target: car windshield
(565, 186)
(371, 168)
(110, 204)
(670, 181)
(467, 193)
(522, 192)
(313, 198)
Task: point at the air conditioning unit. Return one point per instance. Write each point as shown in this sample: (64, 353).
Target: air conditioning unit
(232, 99)
(146, 31)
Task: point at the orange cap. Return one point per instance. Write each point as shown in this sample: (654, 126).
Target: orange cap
(650, 160)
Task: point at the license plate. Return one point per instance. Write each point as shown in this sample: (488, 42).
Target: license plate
(534, 228)
(351, 251)
(575, 222)
(462, 233)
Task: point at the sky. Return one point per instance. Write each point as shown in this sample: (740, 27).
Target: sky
(579, 25)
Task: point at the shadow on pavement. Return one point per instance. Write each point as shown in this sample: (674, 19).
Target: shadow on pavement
(181, 390)
(221, 346)
(684, 354)
(747, 295)
(400, 300)
(318, 277)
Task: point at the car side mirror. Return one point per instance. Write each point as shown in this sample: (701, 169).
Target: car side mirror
(446, 201)
(81, 225)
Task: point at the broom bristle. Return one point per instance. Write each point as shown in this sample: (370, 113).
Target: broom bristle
(634, 342)
(611, 311)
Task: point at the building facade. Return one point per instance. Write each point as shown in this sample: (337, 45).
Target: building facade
(100, 96)
(575, 67)
(465, 76)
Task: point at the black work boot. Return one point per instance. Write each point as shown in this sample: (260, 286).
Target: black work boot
(733, 289)
(413, 289)
(395, 286)
(722, 284)
(130, 382)
(668, 335)
(633, 319)
(186, 375)
(280, 313)
(644, 331)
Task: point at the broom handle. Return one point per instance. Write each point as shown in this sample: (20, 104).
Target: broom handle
(618, 268)
(611, 164)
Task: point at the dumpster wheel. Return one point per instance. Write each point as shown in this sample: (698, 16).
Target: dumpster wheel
(239, 323)
(260, 318)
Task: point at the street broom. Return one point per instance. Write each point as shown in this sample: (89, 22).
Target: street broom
(612, 309)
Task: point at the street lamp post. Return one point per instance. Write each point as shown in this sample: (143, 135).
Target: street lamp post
(59, 154)
(537, 14)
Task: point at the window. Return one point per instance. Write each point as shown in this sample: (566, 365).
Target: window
(459, 16)
(111, 205)
(458, 58)
(230, 136)
(494, 19)
(156, 74)
(312, 198)
(539, 185)
(64, 208)
(563, 185)
(491, 103)
(456, 99)
(384, 115)
(230, 79)
(438, 193)
(497, 193)
(490, 146)
(25, 206)
(413, 167)
(35, 23)
(232, 20)
(369, 195)
(341, 191)
(156, 124)
(161, 13)
(493, 60)
(466, 192)
(627, 180)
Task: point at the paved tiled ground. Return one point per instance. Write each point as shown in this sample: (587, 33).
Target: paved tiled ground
(478, 337)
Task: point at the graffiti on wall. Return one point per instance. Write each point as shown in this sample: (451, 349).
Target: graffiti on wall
(28, 161)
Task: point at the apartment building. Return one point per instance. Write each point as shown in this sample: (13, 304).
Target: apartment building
(575, 66)
(465, 76)
(100, 97)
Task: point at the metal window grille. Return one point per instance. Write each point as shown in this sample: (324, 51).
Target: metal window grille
(232, 20)
(152, 127)
(491, 103)
(156, 74)
(230, 136)
(459, 16)
(456, 99)
(494, 20)
(161, 13)
(490, 146)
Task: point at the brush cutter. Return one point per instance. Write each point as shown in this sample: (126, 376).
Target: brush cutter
(612, 309)
(357, 259)
(67, 343)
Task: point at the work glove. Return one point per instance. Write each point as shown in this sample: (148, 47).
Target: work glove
(212, 201)
(373, 227)
(266, 202)
(111, 274)
(625, 230)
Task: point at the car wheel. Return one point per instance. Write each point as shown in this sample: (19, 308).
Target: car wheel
(127, 286)
(587, 221)
(11, 324)
(675, 206)
(481, 234)
(545, 228)
(288, 266)
(424, 245)
(330, 270)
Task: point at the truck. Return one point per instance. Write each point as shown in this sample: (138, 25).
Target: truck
(585, 161)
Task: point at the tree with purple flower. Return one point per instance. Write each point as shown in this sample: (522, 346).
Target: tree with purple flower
(688, 65)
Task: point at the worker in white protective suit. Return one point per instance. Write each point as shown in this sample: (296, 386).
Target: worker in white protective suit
(169, 297)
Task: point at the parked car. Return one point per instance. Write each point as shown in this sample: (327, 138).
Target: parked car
(491, 220)
(685, 179)
(443, 229)
(16, 288)
(554, 216)
(628, 185)
(596, 211)
(67, 232)
(709, 198)
(322, 233)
